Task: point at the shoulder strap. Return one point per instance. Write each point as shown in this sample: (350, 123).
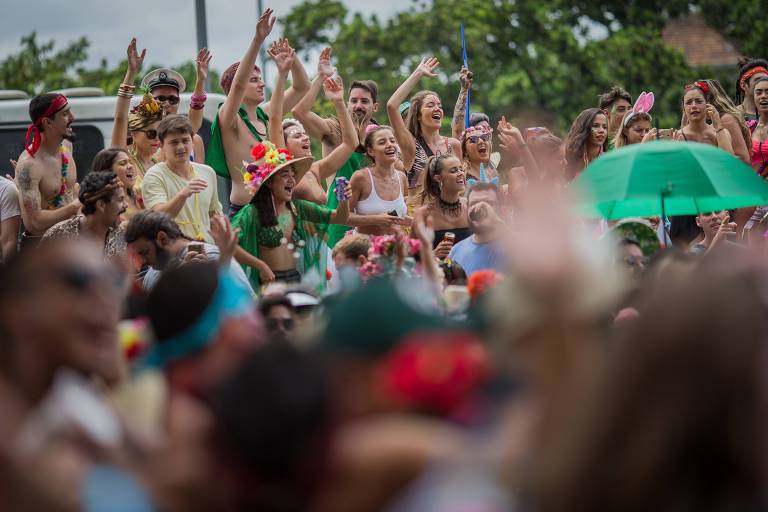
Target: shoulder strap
(425, 146)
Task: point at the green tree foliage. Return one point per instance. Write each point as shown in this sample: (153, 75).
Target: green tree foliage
(37, 68)
(541, 61)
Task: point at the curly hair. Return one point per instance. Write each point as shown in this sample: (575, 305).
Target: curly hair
(746, 64)
(100, 185)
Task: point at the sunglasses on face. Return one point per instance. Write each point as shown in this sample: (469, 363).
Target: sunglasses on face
(171, 100)
(475, 138)
(286, 324)
(151, 134)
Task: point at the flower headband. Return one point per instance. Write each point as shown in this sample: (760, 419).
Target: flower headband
(480, 129)
(266, 158)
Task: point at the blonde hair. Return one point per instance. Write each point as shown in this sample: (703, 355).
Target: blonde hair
(621, 138)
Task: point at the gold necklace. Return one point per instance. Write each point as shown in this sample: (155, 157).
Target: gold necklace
(196, 223)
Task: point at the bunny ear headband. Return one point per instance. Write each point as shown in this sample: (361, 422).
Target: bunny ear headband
(643, 105)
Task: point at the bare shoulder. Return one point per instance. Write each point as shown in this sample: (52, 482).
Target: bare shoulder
(359, 175)
(729, 120)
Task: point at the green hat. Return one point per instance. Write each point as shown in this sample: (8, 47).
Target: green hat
(372, 319)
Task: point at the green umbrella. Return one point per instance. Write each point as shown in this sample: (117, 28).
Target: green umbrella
(667, 178)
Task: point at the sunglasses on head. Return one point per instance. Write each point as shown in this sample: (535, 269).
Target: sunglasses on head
(171, 100)
(475, 138)
(151, 134)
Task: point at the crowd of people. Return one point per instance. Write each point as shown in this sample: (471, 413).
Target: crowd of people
(415, 320)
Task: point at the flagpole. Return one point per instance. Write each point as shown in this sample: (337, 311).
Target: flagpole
(469, 90)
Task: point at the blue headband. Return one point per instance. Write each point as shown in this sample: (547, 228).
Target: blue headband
(230, 299)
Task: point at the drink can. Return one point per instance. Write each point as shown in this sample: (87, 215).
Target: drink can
(341, 188)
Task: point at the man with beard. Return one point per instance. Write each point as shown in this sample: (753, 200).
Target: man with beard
(103, 199)
(158, 241)
(362, 104)
(242, 120)
(45, 173)
(482, 250)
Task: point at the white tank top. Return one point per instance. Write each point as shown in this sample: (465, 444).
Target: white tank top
(374, 204)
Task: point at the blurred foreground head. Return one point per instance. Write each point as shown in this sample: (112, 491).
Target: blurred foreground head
(676, 419)
(204, 324)
(59, 307)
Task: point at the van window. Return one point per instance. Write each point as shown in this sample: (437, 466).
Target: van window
(89, 141)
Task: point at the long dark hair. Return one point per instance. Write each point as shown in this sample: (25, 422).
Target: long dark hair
(414, 112)
(265, 206)
(430, 186)
(105, 158)
(745, 65)
(578, 137)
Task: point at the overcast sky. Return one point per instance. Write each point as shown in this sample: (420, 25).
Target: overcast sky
(166, 28)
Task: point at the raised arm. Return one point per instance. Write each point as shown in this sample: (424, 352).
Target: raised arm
(201, 74)
(284, 57)
(35, 218)
(404, 138)
(299, 84)
(460, 110)
(511, 144)
(315, 125)
(334, 91)
(228, 111)
(124, 95)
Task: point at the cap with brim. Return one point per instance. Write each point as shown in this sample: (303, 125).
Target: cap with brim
(164, 77)
(265, 166)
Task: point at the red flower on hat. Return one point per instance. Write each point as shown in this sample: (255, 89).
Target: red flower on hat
(258, 151)
(283, 151)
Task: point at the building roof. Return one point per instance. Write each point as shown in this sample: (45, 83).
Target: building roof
(701, 44)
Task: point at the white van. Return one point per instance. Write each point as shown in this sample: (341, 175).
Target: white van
(94, 116)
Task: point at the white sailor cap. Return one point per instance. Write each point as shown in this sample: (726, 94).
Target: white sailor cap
(164, 77)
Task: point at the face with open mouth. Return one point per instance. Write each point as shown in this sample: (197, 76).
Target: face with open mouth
(431, 111)
(478, 145)
(383, 148)
(694, 104)
(123, 167)
(761, 95)
(599, 129)
(282, 184)
(451, 178)
(297, 141)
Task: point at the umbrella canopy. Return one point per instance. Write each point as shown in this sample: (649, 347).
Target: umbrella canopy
(688, 177)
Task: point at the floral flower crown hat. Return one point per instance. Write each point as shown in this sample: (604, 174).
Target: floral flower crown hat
(268, 159)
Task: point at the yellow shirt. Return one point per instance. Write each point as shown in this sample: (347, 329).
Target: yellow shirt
(160, 185)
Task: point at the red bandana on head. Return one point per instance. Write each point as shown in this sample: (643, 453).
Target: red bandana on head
(33, 131)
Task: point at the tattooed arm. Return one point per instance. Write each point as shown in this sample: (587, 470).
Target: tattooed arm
(36, 219)
(460, 110)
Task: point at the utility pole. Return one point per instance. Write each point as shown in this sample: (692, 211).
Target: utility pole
(202, 32)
